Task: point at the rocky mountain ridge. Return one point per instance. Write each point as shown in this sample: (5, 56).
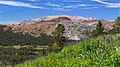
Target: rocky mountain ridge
(47, 18)
(75, 26)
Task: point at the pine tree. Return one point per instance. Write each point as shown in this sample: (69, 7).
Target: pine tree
(99, 29)
(58, 38)
(117, 25)
(116, 28)
(117, 21)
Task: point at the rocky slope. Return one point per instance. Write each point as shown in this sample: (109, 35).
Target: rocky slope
(75, 26)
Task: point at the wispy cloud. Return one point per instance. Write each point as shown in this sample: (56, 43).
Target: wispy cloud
(20, 4)
(71, 0)
(57, 7)
(89, 8)
(110, 5)
(61, 9)
(76, 6)
(53, 4)
(34, 0)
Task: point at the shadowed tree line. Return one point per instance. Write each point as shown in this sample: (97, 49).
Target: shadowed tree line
(10, 38)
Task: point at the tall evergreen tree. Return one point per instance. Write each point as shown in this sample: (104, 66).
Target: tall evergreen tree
(117, 25)
(117, 21)
(116, 28)
(58, 38)
(99, 29)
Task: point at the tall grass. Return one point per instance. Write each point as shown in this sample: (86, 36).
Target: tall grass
(103, 51)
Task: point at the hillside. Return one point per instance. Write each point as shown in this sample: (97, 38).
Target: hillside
(76, 27)
(99, 52)
(7, 37)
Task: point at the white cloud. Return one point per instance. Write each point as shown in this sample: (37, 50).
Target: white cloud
(71, 0)
(34, 0)
(110, 5)
(89, 8)
(61, 9)
(52, 4)
(77, 5)
(20, 4)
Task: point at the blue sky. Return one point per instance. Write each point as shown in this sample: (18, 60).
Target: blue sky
(12, 11)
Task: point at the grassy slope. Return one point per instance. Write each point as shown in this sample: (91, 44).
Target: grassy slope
(100, 52)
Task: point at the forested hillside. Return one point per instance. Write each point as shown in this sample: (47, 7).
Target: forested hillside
(17, 47)
(10, 38)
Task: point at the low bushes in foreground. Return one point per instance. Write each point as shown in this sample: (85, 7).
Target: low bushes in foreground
(99, 52)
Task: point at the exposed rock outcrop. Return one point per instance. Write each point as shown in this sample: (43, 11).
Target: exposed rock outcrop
(75, 26)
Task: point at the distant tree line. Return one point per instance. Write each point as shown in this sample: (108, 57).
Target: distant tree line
(10, 38)
(14, 56)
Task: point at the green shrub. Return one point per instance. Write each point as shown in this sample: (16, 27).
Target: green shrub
(99, 52)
